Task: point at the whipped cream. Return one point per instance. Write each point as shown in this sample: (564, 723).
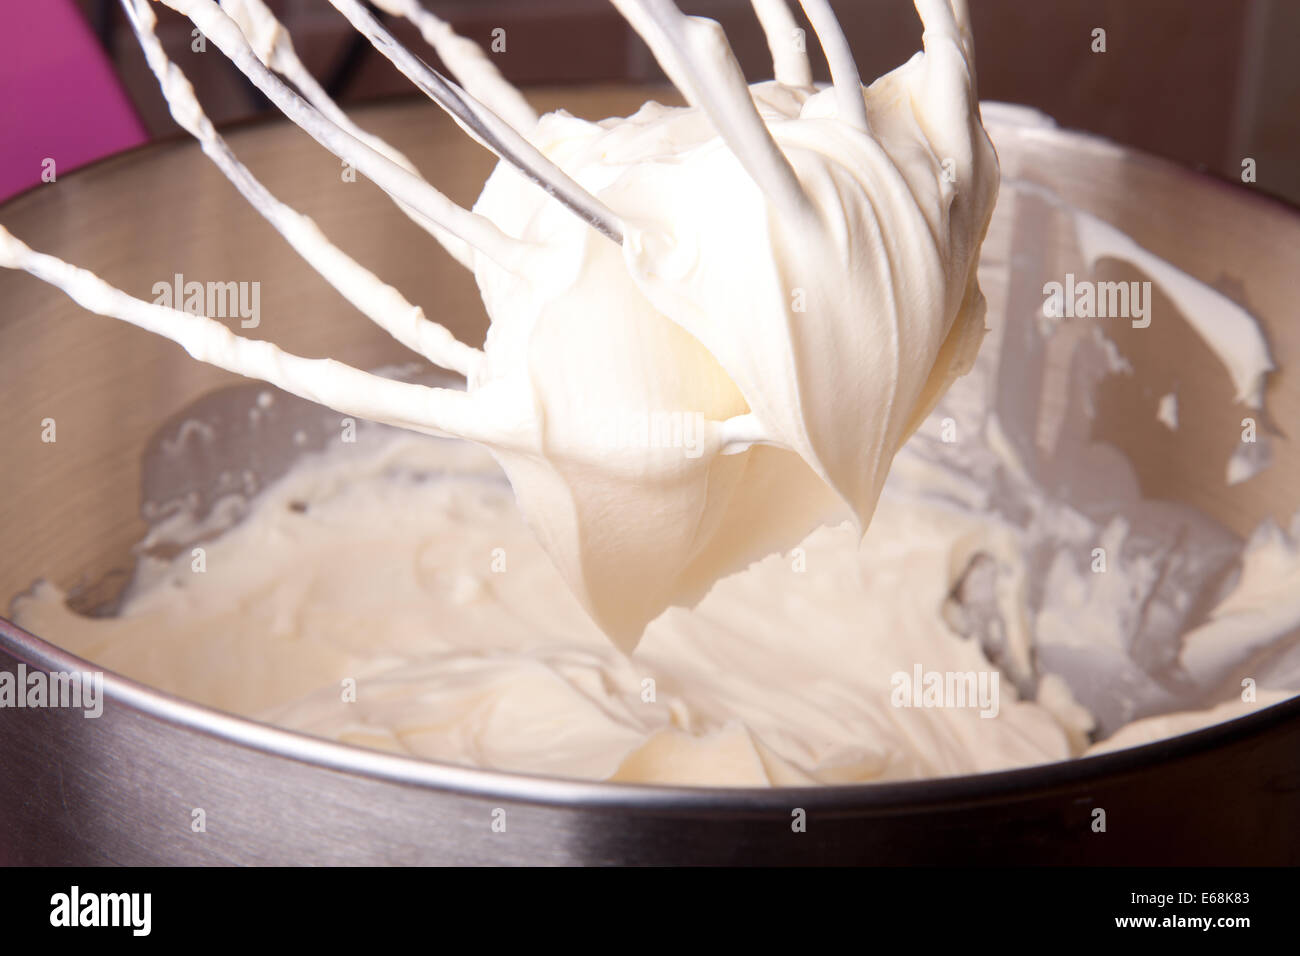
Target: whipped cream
(388, 594)
(796, 279)
(403, 564)
(829, 340)
(701, 414)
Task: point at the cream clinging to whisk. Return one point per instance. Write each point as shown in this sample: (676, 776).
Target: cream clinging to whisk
(796, 272)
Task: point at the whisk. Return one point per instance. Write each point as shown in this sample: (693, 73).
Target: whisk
(846, 228)
(490, 110)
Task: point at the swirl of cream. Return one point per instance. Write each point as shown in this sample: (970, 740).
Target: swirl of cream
(741, 370)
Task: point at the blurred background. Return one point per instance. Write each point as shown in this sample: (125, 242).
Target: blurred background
(1204, 82)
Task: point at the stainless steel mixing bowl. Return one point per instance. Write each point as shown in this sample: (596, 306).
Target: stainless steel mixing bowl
(122, 788)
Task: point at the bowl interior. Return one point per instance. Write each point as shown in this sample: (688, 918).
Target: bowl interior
(71, 509)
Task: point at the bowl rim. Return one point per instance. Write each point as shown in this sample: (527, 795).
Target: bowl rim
(910, 795)
(1037, 779)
